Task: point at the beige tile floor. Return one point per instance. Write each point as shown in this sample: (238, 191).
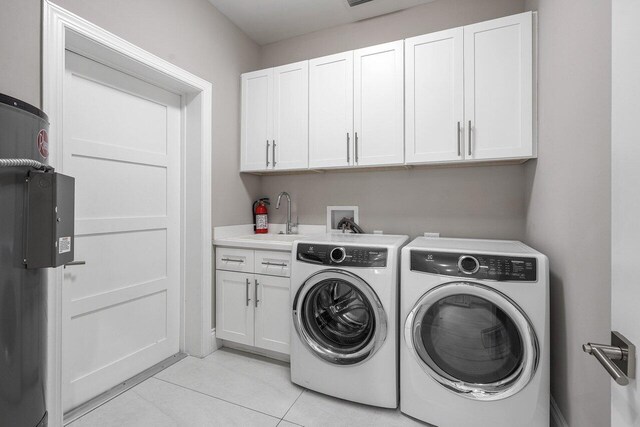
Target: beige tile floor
(230, 388)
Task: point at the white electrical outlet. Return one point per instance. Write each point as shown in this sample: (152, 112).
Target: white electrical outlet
(432, 235)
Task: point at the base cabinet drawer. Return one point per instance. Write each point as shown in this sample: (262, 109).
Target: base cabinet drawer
(231, 259)
(273, 263)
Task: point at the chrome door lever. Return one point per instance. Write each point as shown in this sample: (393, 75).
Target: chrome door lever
(72, 263)
(618, 359)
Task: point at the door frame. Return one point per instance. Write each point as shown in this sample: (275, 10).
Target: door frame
(64, 30)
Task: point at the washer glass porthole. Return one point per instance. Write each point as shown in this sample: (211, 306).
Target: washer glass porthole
(473, 340)
(339, 317)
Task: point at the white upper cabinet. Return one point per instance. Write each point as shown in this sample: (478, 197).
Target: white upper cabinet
(379, 105)
(275, 119)
(257, 120)
(290, 149)
(331, 111)
(498, 84)
(459, 95)
(434, 98)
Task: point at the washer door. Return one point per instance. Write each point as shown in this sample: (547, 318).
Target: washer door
(473, 340)
(339, 317)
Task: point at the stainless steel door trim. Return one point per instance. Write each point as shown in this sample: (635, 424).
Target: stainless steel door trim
(273, 150)
(72, 263)
(267, 154)
(459, 140)
(255, 297)
(348, 154)
(322, 352)
(231, 260)
(356, 146)
(485, 392)
(247, 293)
(469, 134)
(274, 264)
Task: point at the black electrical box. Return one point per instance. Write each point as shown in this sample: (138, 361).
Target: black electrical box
(49, 240)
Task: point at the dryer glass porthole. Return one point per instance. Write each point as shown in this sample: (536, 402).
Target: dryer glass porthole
(473, 340)
(339, 317)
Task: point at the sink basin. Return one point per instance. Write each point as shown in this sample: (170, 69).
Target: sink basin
(272, 237)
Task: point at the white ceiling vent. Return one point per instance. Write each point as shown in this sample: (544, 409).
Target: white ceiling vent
(357, 2)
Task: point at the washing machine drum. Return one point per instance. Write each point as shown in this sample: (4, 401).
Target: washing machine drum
(473, 340)
(339, 317)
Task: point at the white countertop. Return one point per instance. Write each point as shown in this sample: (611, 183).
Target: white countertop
(242, 236)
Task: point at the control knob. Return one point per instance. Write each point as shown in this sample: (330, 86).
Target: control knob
(468, 264)
(338, 255)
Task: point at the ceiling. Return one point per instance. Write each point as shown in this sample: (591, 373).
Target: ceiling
(268, 21)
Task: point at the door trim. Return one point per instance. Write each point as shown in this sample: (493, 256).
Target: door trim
(63, 30)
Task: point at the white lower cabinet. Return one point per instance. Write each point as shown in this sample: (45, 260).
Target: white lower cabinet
(234, 311)
(272, 313)
(253, 309)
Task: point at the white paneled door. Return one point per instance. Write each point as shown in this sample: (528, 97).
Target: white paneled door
(625, 199)
(379, 104)
(498, 88)
(434, 97)
(122, 309)
(331, 136)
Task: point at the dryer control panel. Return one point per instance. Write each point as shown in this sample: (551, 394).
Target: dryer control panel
(344, 256)
(475, 266)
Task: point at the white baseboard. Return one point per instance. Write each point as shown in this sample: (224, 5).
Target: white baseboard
(216, 344)
(557, 419)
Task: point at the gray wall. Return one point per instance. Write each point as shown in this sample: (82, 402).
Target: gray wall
(191, 34)
(485, 201)
(568, 196)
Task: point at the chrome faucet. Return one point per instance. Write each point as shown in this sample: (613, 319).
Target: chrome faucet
(290, 225)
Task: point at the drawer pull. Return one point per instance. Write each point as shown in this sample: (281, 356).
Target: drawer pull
(274, 264)
(232, 260)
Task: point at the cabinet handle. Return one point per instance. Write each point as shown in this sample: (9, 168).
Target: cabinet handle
(232, 260)
(256, 296)
(348, 157)
(356, 147)
(247, 293)
(469, 137)
(459, 148)
(275, 264)
(274, 153)
(267, 154)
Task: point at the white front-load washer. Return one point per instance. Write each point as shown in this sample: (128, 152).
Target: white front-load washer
(475, 345)
(344, 298)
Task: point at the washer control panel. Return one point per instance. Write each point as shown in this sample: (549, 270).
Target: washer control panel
(340, 255)
(475, 266)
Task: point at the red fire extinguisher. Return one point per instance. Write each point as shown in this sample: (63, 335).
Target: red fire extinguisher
(261, 216)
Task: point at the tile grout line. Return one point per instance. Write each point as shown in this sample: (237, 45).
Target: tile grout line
(217, 398)
(294, 402)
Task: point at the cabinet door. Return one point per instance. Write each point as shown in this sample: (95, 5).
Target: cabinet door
(498, 57)
(256, 121)
(434, 97)
(291, 116)
(273, 313)
(235, 307)
(331, 111)
(379, 104)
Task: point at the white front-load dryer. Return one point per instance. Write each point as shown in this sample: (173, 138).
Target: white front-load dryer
(475, 345)
(344, 299)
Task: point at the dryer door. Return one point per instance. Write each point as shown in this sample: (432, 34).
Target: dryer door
(473, 340)
(339, 317)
